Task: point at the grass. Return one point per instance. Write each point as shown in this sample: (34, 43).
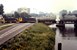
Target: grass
(1, 28)
(37, 37)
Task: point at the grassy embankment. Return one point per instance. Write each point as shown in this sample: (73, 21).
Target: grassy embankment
(37, 37)
(6, 26)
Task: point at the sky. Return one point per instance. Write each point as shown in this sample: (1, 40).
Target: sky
(36, 6)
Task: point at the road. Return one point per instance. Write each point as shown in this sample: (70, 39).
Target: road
(12, 31)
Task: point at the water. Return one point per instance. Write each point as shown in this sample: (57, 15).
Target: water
(67, 37)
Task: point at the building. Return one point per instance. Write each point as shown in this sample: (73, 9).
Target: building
(23, 9)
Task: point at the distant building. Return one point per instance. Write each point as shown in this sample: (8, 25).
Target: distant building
(27, 10)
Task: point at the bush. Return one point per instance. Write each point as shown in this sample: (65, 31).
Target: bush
(37, 37)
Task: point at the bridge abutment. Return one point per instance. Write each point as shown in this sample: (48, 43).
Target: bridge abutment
(61, 24)
(75, 23)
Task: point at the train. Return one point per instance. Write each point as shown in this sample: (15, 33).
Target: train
(27, 20)
(19, 20)
(10, 20)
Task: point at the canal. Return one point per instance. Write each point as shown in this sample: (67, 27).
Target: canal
(66, 38)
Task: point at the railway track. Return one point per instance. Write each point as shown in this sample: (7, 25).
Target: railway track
(12, 31)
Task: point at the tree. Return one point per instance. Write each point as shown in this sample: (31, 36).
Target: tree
(74, 13)
(1, 9)
(24, 14)
(16, 14)
(63, 13)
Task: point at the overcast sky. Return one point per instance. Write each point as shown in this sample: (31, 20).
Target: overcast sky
(39, 5)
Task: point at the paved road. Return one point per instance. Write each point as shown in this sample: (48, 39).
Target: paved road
(12, 31)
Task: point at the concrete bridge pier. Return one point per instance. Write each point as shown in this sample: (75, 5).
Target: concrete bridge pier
(75, 27)
(75, 23)
(60, 24)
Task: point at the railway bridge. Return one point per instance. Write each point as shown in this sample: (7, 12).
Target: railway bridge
(46, 20)
(62, 23)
